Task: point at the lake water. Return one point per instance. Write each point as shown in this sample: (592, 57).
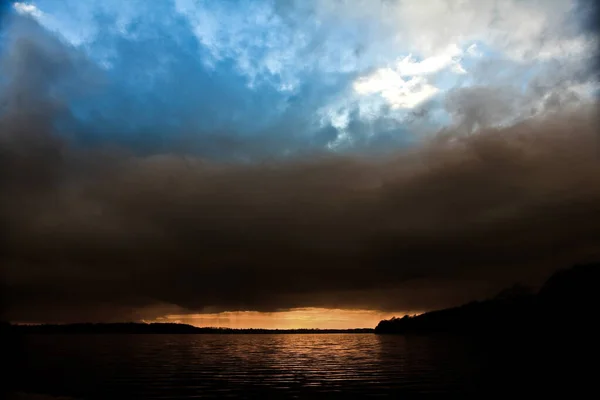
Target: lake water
(274, 365)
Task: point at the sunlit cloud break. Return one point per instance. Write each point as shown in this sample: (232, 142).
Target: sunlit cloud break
(174, 73)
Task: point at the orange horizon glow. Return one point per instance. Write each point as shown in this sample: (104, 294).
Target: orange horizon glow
(300, 318)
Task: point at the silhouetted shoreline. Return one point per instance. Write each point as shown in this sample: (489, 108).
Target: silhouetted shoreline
(545, 341)
(160, 328)
(566, 304)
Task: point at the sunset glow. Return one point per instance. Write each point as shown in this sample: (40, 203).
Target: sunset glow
(301, 318)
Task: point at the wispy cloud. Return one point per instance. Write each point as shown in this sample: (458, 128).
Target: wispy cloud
(263, 63)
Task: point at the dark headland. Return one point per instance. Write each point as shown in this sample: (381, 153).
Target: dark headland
(543, 343)
(567, 303)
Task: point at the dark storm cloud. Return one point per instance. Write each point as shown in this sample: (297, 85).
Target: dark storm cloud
(100, 234)
(480, 106)
(91, 235)
(167, 229)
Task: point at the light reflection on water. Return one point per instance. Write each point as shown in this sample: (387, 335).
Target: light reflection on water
(241, 366)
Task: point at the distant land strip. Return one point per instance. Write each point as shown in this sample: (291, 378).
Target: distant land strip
(159, 328)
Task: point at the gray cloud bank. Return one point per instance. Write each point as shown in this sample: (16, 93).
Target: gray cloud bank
(100, 234)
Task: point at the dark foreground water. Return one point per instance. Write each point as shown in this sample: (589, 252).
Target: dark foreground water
(287, 365)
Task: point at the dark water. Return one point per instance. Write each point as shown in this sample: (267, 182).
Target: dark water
(269, 366)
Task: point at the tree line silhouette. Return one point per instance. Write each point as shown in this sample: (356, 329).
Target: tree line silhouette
(566, 303)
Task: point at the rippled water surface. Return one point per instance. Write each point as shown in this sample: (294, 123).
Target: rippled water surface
(263, 366)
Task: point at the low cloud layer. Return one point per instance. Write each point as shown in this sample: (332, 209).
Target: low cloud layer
(93, 235)
(97, 229)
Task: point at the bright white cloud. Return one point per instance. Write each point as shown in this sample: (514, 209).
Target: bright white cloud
(438, 35)
(399, 92)
(76, 26)
(27, 8)
(407, 85)
(409, 67)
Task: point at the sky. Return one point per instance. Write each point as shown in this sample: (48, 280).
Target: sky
(284, 161)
